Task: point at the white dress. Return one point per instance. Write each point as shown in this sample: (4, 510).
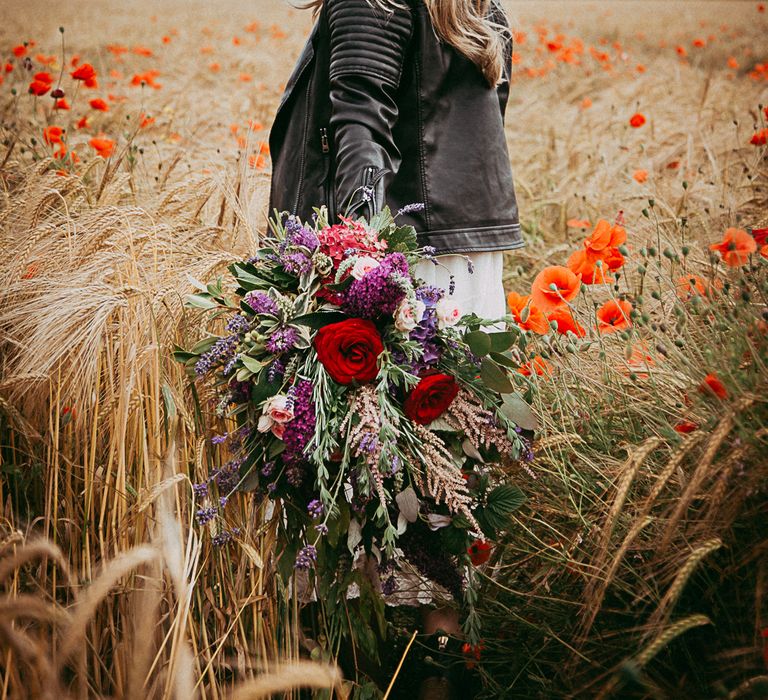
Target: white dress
(481, 291)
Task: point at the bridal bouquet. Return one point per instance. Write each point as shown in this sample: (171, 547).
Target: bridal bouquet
(375, 415)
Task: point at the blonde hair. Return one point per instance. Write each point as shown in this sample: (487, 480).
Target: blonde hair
(465, 25)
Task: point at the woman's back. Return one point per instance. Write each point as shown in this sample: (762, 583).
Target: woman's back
(380, 111)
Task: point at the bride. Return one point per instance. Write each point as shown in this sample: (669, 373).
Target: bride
(402, 104)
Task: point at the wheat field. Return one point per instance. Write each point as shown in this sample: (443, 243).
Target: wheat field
(109, 589)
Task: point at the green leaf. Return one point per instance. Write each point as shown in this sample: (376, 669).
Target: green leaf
(494, 377)
(504, 360)
(341, 286)
(196, 283)
(519, 412)
(479, 343)
(181, 355)
(200, 301)
(204, 345)
(319, 319)
(505, 499)
(252, 364)
(503, 341)
(402, 239)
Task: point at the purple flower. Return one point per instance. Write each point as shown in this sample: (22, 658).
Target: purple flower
(296, 262)
(315, 508)
(224, 537)
(261, 303)
(380, 291)
(205, 515)
(276, 370)
(299, 235)
(410, 208)
(301, 429)
(321, 528)
(389, 586)
(200, 490)
(238, 324)
(221, 352)
(266, 470)
(282, 340)
(219, 439)
(306, 558)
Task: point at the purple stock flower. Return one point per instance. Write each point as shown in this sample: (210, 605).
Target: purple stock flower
(380, 291)
(300, 430)
(282, 340)
(261, 303)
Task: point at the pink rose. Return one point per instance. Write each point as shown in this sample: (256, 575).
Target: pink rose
(408, 316)
(447, 312)
(363, 265)
(277, 411)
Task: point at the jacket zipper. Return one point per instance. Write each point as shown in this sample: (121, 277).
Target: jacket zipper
(325, 147)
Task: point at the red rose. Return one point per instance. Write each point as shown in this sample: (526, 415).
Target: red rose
(349, 350)
(479, 552)
(430, 397)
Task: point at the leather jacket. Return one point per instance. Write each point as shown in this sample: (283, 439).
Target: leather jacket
(379, 111)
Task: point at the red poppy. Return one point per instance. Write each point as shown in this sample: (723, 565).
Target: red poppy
(736, 247)
(759, 138)
(43, 77)
(99, 104)
(604, 236)
(61, 104)
(712, 385)
(566, 322)
(614, 316)
(84, 72)
(554, 286)
(39, 88)
(53, 134)
(479, 552)
(685, 426)
(760, 235)
(82, 123)
(636, 120)
(538, 366)
(584, 264)
(19, 50)
(103, 146)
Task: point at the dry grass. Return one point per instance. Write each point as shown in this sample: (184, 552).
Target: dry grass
(109, 589)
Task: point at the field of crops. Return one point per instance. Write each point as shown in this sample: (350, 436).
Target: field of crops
(134, 156)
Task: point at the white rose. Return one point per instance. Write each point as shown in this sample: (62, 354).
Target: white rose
(265, 424)
(447, 313)
(408, 316)
(278, 409)
(363, 265)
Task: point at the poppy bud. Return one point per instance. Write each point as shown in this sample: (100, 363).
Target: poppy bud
(57, 94)
(680, 342)
(661, 349)
(655, 295)
(686, 250)
(652, 252)
(525, 313)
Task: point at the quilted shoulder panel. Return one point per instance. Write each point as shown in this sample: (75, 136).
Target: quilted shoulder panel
(367, 40)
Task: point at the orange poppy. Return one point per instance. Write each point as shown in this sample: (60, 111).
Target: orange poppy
(537, 365)
(566, 322)
(585, 265)
(712, 385)
(764, 251)
(61, 104)
(82, 123)
(614, 316)
(736, 247)
(640, 175)
(688, 286)
(103, 146)
(604, 236)
(636, 120)
(535, 320)
(145, 120)
(553, 286)
(99, 105)
(578, 223)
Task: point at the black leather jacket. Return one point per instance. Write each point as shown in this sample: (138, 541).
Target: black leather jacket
(378, 110)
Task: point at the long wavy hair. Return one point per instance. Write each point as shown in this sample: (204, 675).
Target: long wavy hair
(465, 25)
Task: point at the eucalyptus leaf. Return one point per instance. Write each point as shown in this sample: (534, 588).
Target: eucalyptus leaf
(504, 360)
(494, 377)
(408, 502)
(252, 364)
(471, 451)
(479, 342)
(502, 341)
(519, 412)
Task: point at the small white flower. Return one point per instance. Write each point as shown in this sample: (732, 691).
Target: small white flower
(447, 312)
(408, 316)
(363, 265)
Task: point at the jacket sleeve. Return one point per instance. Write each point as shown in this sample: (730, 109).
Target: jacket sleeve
(367, 50)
